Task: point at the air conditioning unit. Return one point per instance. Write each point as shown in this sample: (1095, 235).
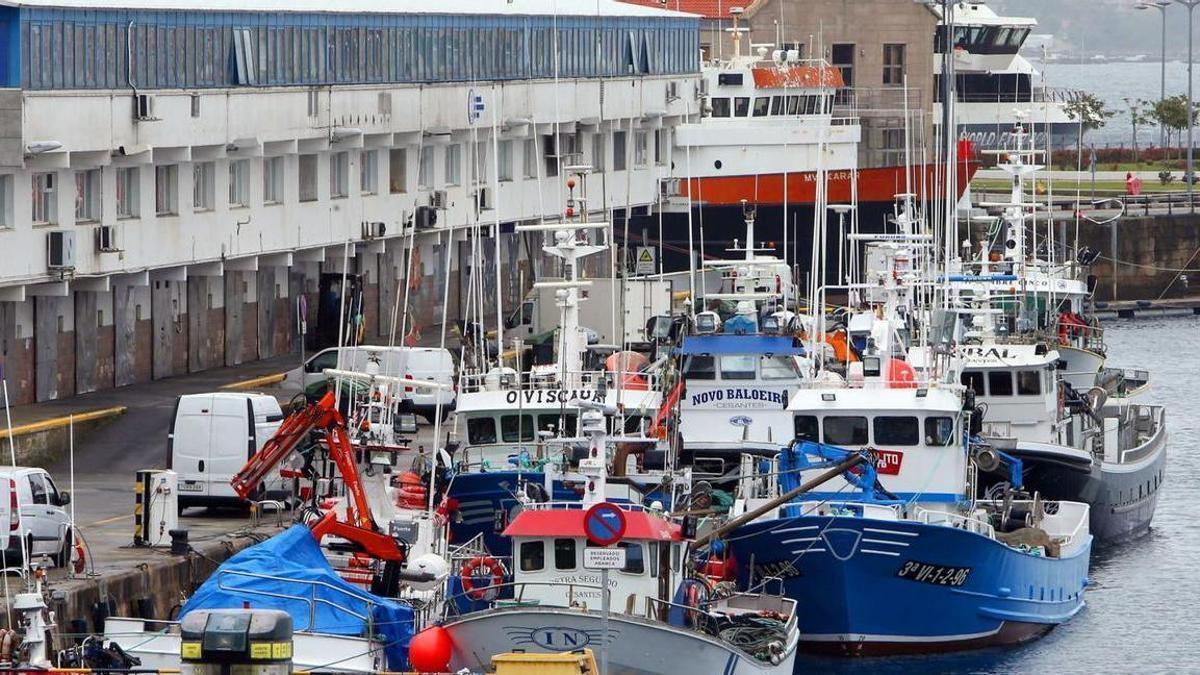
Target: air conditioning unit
(438, 199)
(483, 199)
(106, 239)
(373, 230)
(143, 107)
(60, 250)
(425, 218)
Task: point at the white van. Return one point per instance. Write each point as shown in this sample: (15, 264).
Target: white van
(33, 510)
(418, 363)
(211, 438)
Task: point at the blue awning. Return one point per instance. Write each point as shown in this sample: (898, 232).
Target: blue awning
(740, 344)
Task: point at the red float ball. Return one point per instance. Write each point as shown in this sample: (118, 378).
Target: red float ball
(429, 651)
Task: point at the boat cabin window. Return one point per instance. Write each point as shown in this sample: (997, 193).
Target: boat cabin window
(564, 554)
(806, 428)
(533, 556)
(481, 430)
(846, 430)
(1029, 382)
(762, 106)
(738, 367)
(778, 368)
(897, 430)
(973, 379)
(720, 107)
(516, 428)
(741, 106)
(939, 431)
(652, 549)
(700, 367)
(777, 105)
(793, 106)
(635, 561)
(556, 422)
(1000, 383)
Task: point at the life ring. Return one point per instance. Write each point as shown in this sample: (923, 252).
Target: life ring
(491, 570)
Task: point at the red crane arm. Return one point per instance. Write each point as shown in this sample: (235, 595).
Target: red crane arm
(343, 455)
(293, 432)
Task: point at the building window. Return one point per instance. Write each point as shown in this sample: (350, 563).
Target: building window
(893, 65)
(6, 200)
(45, 198)
(273, 180)
(842, 58)
(598, 148)
(308, 178)
(368, 172)
(398, 171)
(529, 158)
(504, 161)
(339, 175)
(166, 190)
(480, 163)
(128, 190)
(892, 146)
(453, 165)
(204, 186)
(425, 170)
(639, 149)
(239, 183)
(550, 148)
(87, 195)
(619, 143)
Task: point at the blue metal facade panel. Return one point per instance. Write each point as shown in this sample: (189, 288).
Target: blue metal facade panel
(56, 48)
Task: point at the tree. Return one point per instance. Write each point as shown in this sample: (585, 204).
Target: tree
(1090, 112)
(1139, 115)
(1171, 114)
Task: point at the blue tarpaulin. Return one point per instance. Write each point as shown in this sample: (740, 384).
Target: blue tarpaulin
(297, 570)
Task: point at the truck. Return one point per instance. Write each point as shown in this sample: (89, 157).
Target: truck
(643, 298)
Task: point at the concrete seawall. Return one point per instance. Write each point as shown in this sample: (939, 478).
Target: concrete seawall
(1150, 252)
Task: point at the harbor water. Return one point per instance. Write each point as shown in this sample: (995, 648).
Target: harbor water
(1140, 613)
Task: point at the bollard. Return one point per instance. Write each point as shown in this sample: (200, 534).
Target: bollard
(179, 542)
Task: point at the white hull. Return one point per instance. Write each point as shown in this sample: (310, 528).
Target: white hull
(637, 646)
(1082, 367)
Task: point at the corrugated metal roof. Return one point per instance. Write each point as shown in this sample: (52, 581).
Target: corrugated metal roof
(481, 7)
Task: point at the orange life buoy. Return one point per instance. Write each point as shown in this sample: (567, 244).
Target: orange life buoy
(491, 569)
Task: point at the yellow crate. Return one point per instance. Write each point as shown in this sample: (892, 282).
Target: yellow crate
(581, 662)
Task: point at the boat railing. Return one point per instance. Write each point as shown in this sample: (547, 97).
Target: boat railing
(969, 523)
(580, 506)
(518, 598)
(312, 600)
(478, 381)
(1148, 424)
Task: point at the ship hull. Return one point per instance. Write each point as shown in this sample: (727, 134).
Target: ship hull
(872, 587)
(637, 646)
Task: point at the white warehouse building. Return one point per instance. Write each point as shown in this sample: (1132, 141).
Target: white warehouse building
(173, 179)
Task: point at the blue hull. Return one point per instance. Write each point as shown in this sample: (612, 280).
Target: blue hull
(873, 587)
(486, 504)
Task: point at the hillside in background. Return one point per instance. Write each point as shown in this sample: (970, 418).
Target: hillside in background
(1113, 28)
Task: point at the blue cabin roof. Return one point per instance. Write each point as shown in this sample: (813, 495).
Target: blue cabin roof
(739, 344)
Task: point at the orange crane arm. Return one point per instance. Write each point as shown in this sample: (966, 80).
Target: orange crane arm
(291, 434)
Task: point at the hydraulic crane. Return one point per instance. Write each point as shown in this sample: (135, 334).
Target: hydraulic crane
(323, 416)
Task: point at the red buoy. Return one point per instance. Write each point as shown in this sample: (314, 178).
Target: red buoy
(429, 651)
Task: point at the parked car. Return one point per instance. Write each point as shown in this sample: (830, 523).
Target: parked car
(33, 511)
(211, 438)
(418, 363)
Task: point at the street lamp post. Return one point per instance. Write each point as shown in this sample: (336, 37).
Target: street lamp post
(1191, 109)
(1161, 6)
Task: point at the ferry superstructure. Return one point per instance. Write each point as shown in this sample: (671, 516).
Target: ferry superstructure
(992, 80)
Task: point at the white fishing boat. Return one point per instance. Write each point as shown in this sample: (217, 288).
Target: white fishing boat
(657, 623)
